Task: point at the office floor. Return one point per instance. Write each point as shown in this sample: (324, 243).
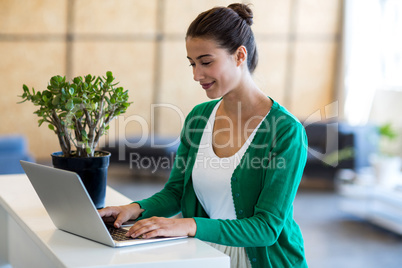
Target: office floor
(333, 239)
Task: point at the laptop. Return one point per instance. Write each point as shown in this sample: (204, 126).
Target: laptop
(72, 210)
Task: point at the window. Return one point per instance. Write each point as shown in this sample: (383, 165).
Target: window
(391, 44)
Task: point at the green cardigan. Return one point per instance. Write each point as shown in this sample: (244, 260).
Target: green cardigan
(264, 186)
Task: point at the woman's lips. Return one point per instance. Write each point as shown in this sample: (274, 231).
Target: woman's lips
(207, 85)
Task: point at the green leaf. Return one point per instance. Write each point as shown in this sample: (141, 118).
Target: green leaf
(63, 92)
(40, 122)
(22, 101)
(71, 91)
(62, 115)
(51, 127)
(79, 113)
(77, 100)
(109, 78)
(84, 134)
(70, 104)
(88, 149)
(37, 97)
(77, 80)
(56, 100)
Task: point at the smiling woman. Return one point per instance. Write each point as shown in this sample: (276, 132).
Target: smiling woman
(240, 158)
(213, 67)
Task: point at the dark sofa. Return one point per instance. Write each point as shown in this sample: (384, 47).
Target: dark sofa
(337, 145)
(153, 154)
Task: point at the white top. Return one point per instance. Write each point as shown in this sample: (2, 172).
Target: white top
(212, 174)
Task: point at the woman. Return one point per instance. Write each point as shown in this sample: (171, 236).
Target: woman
(240, 160)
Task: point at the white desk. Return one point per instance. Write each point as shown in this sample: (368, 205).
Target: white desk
(28, 238)
(380, 205)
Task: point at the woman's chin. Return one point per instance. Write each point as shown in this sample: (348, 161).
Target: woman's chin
(213, 93)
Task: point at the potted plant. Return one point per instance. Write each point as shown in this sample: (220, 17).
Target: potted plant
(79, 113)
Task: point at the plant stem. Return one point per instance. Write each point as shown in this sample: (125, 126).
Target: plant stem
(63, 140)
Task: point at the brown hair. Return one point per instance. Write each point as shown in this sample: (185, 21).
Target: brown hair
(229, 27)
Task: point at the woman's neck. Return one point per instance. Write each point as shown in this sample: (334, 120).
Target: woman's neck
(243, 101)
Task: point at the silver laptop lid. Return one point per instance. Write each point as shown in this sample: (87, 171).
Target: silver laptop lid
(67, 202)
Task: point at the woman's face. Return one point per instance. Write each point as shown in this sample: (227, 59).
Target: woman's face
(213, 67)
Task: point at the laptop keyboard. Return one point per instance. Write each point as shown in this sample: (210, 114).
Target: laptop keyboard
(119, 234)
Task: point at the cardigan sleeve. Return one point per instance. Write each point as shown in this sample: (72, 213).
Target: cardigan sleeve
(274, 204)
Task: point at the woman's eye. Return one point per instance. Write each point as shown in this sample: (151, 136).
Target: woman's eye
(202, 63)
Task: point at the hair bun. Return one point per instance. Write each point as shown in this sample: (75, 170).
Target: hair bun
(244, 12)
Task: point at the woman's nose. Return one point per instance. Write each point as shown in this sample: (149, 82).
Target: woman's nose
(197, 73)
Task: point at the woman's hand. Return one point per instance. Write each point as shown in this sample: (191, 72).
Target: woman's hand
(158, 226)
(121, 214)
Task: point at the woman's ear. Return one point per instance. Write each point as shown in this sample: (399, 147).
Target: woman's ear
(241, 55)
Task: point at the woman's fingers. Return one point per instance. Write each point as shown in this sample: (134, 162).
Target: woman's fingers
(144, 226)
(116, 214)
(158, 226)
(109, 213)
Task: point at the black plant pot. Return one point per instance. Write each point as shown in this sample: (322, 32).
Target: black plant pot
(92, 171)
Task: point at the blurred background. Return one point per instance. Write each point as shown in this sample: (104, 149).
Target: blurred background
(142, 43)
(335, 64)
